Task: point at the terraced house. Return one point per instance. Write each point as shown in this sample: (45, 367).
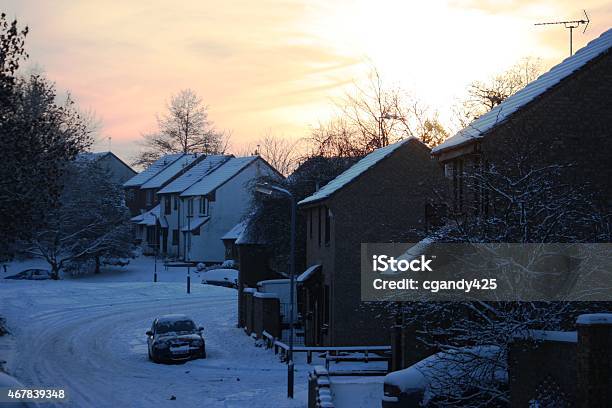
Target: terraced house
(381, 198)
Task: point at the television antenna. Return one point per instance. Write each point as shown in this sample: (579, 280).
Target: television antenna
(571, 25)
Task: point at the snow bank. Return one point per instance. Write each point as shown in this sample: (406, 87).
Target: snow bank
(594, 319)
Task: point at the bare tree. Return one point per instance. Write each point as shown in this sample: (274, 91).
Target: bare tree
(185, 128)
(91, 221)
(372, 116)
(485, 95)
(281, 152)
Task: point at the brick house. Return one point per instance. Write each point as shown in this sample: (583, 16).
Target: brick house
(378, 199)
(565, 116)
(118, 170)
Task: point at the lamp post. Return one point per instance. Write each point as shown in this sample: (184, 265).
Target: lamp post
(269, 189)
(188, 244)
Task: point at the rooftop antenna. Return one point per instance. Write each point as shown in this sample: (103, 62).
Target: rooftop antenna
(571, 25)
(109, 143)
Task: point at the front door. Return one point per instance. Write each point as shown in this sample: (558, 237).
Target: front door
(165, 240)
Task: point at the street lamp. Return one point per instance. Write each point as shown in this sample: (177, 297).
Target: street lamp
(269, 189)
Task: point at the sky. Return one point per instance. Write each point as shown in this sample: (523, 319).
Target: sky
(277, 66)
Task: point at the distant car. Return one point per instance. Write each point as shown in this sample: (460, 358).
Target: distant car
(175, 337)
(416, 385)
(32, 274)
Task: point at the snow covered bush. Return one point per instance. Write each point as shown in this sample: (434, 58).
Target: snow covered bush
(90, 223)
(229, 264)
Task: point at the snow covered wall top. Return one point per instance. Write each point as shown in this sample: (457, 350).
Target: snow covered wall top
(501, 112)
(157, 166)
(193, 175)
(353, 172)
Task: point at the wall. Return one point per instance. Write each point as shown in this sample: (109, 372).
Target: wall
(381, 205)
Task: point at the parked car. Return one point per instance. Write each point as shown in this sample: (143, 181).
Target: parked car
(418, 385)
(221, 277)
(31, 274)
(175, 337)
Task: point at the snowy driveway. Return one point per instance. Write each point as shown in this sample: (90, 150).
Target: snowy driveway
(89, 338)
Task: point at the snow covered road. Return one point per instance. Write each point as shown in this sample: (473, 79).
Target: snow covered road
(89, 339)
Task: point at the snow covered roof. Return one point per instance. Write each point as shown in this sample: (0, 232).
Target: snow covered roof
(150, 217)
(501, 112)
(157, 166)
(219, 176)
(90, 156)
(236, 231)
(195, 223)
(304, 276)
(194, 174)
(354, 171)
(170, 171)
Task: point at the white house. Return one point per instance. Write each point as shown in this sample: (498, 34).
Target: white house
(215, 204)
(170, 236)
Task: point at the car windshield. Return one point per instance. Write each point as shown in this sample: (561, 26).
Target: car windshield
(175, 326)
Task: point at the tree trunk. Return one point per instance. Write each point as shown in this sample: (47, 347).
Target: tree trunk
(55, 272)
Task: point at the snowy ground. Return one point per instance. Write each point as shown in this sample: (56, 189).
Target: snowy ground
(87, 336)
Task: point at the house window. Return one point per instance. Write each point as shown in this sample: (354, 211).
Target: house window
(189, 207)
(458, 185)
(176, 203)
(167, 205)
(175, 237)
(149, 197)
(319, 229)
(204, 205)
(310, 223)
(327, 225)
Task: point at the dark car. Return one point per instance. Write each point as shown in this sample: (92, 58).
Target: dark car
(31, 274)
(175, 338)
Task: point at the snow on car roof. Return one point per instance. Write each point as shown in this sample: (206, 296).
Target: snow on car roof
(354, 171)
(175, 317)
(157, 166)
(195, 174)
(544, 82)
(170, 171)
(219, 176)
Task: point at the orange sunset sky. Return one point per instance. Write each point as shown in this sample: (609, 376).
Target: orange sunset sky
(276, 66)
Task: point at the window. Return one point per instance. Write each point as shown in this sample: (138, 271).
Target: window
(167, 205)
(458, 185)
(310, 223)
(175, 237)
(149, 197)
(204, 205)
(327, 225)
(189, 206)
(319, 229)
(176, 203)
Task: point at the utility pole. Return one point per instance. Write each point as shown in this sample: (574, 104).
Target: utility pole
(571, 25)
